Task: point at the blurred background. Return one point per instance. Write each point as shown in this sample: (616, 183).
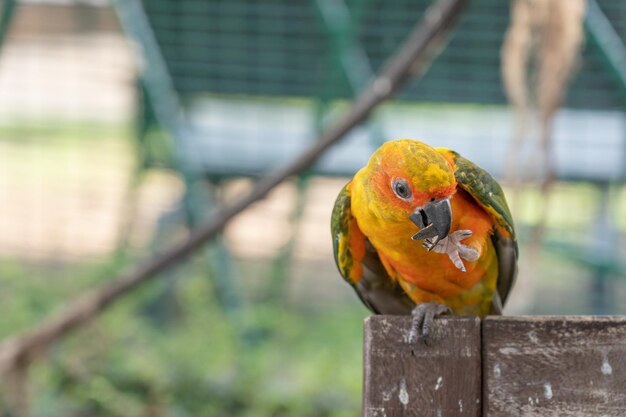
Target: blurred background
(99, 168)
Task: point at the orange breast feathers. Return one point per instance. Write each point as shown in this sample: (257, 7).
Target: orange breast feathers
(434, 273)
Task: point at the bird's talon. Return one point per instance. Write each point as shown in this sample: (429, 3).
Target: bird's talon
(423, 316)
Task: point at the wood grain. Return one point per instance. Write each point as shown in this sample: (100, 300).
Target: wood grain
(441, 379)
(554, 366)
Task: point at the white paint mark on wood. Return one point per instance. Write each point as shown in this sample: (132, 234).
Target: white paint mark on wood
(606, 366)
(376, 412)
(387, 394)
(509, 351)
(385, 326)
(460, 406)
(547, 391)
(439, 383)
(403, 395)
(496, 370)
(467, 352)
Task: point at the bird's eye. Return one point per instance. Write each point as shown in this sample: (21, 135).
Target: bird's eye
(401, 188)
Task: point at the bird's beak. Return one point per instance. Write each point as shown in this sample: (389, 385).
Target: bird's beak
(434, 220)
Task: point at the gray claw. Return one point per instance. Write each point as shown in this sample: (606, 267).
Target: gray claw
(422, 318)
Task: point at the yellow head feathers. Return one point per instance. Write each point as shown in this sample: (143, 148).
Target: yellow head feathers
(407, 173)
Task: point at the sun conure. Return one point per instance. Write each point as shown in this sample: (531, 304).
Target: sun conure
(410, 192)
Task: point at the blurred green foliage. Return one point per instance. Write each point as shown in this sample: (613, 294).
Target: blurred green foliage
(272, 360)
(169, 350)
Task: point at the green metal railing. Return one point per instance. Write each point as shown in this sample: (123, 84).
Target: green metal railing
(6, 13)
(281, 47)
(609, 42)
(318, 51)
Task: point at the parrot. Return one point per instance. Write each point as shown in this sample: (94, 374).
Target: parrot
(410, 192)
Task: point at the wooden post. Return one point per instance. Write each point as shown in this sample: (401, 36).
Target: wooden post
(554, 366)
(528, 366)
(435, 380)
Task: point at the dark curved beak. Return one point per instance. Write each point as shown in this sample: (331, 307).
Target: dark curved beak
(434, 220)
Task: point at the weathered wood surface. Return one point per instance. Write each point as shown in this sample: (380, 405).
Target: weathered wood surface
(554, 366)
(436, 380)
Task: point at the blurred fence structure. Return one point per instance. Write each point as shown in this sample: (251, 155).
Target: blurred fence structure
(257, 81)
(220, 55)
(66, 99)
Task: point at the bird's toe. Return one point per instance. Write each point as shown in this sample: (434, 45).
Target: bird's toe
(422, 318)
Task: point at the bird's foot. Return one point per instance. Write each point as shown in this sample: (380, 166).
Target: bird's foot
(422, 317)
(456, 250)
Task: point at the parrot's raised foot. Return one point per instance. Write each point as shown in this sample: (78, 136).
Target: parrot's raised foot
(456, 250)
(422, 318)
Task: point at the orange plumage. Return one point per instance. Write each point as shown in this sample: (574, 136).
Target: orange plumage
(375, 217)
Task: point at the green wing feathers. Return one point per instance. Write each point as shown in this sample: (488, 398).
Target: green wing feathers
(348, 240)
(484, 189)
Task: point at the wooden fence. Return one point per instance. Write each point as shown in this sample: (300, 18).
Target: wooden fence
(500, 367)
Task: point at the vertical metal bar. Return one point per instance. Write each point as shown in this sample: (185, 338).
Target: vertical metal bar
(6, 15)
(605, 242)
(154, 73)
(353, 60)
(341, 26)
(608, 43)
(169, 113)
